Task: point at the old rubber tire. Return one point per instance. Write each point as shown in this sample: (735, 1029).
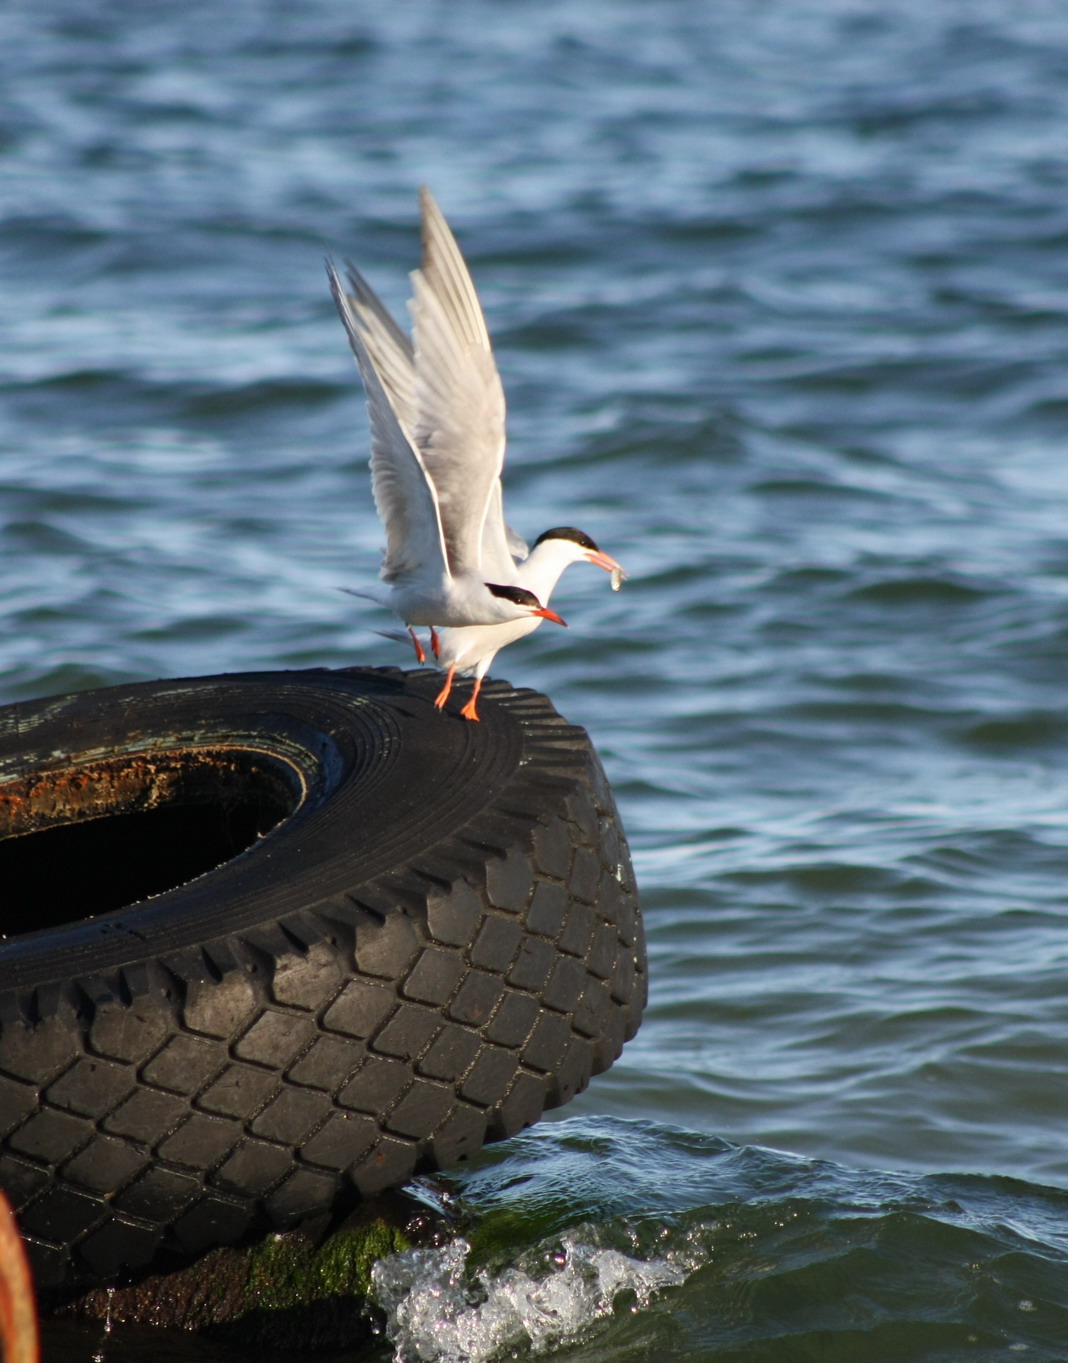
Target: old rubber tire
(430, 936)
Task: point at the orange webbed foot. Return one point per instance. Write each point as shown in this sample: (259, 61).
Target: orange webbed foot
(420, 651)
(435, 642)
(443, 694)
(469, 711)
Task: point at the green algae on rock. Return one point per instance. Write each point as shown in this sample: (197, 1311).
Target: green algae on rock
(287, 1291)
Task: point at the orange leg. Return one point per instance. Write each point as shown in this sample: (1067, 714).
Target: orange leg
(469, 711)
(443, 694)
(420, 651)
(435, 642)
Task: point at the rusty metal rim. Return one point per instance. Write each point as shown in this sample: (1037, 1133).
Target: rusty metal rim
(100, 787)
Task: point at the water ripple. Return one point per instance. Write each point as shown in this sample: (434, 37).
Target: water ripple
(780, 297)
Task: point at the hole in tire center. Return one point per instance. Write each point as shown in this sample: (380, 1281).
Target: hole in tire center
(105, 834)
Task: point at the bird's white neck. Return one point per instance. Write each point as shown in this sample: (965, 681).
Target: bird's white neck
(544, 566)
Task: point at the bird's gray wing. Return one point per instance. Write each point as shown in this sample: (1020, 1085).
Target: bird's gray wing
(496, 532)
(517, 545)
(404, 496)
(389, 348)
(460, 400)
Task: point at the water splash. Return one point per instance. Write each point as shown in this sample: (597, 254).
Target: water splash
(440, 1312)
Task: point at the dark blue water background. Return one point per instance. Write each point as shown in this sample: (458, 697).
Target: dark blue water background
(780, 296)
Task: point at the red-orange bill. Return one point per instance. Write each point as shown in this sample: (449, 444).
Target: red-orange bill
(609, 564)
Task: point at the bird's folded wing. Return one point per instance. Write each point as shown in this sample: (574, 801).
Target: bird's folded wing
(389, 348)
(460, 400)
(404, 495)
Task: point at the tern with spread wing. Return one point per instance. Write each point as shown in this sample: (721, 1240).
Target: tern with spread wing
(442, 397)
(436, 453)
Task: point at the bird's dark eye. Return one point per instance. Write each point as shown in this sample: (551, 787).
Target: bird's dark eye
(519, 596)
(568, 532)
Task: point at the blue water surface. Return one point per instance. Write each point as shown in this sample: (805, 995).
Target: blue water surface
(780, 297)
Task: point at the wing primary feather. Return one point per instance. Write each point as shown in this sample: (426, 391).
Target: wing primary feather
(461, 410)
(390, 349)
(404, 493)
(444, 265)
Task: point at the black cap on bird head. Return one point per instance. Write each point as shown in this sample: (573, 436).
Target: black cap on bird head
(567, 532)
(519, 596)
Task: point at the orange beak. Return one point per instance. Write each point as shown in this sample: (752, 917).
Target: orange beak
(605, 561)
(547, 614)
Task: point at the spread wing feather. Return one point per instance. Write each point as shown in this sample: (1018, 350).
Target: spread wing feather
(393, 357)
(460, 429)
(497, 533)
(389, 348)
(404, 495)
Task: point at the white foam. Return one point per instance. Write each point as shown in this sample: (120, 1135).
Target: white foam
(437, 1313)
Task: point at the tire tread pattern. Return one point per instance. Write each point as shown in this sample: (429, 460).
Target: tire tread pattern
(174, 1104)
